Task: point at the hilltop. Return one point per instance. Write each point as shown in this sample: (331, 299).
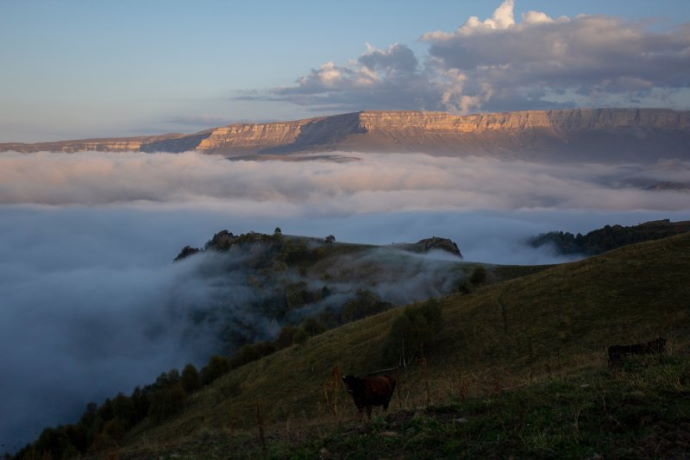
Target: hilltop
(556, 135)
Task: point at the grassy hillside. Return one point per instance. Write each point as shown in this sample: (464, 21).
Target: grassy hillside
(546, 325)
(641, 411)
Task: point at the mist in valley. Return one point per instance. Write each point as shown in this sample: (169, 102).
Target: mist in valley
(93, 305)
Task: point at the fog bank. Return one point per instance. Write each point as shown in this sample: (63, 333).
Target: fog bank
(92, 304)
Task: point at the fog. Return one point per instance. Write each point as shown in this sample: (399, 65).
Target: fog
(92, 303)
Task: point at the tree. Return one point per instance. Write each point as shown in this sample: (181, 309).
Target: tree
(365, 303)
(217, 366)
(190, 379)
(286, 337)
(166, 403)
(312, 326)
(478, 276)
(414, 332)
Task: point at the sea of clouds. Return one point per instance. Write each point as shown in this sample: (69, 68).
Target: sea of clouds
(92, 304)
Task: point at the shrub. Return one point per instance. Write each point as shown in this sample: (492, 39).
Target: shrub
(286, 337)
(414, 332)
(166, 403)
(251, 352)
(365, 303)
(312, 326)
(217, 366)
(190, 379)
(478, 276)
(301, 336)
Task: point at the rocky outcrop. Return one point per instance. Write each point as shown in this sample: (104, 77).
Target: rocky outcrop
(431, 244)
(577, 135)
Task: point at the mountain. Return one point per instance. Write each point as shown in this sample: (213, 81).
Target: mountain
(576, 135)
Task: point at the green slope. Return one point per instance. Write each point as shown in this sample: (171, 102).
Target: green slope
(545, 325)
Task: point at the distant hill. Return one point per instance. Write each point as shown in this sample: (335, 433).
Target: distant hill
(609, 237)
(556, 135)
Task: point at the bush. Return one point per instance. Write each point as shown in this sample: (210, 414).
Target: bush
(190, 379)
(286, 337)
(166, 403)
(478, 276)
(251, 352)
(217, 366)
(414, 333)
(312, 326)
(365, 303)
(301, 336)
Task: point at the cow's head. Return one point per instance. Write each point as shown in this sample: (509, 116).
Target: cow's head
(351, 382)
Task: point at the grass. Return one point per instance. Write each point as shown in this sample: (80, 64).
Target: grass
(642, 411)
(549, 326)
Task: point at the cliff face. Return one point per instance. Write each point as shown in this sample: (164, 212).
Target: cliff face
(580, 134)
(119, 144)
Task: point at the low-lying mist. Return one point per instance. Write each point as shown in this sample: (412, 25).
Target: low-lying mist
(92, 303)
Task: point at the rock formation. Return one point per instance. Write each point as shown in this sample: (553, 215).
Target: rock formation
(433, 243)
(570, 135)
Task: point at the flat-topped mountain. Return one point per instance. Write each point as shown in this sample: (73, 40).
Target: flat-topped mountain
(577, 135)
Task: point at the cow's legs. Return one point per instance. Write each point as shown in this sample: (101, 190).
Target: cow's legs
(369, 412)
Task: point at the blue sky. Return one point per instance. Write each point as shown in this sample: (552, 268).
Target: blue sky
(85, 68)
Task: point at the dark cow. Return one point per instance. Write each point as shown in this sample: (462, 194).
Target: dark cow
(618, 352)
(368, 392)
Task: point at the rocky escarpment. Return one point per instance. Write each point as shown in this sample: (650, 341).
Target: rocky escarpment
(576, 135)
(118, 144)
(433, 244)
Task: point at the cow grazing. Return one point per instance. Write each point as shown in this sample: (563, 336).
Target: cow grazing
(368, 392)
(618, 352)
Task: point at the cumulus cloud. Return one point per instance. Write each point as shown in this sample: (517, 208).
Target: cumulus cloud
(501, 63)
(390, 78)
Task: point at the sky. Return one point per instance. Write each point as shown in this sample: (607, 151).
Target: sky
(80, 68)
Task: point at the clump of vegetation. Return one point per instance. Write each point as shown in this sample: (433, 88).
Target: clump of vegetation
(609, 237)
(478, 276)
(414, 332)
(365, 303)
(217, 366)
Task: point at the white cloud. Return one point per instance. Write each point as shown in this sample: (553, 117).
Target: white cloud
(374, 183)
(502, 64)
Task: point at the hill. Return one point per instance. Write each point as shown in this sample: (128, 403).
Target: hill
(609, 237)
(601, 135)
(550, 324)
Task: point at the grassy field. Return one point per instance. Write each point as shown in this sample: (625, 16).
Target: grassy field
(640, 411)
(537, 332)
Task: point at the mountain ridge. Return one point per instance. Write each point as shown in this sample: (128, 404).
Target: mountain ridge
(578, 134)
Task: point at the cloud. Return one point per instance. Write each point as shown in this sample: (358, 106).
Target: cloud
(504, 64)
(379, 78)
(374, 183)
